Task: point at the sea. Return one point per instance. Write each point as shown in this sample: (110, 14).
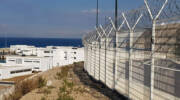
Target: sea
(40, 42)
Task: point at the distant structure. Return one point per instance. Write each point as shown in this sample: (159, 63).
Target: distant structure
(26, 59)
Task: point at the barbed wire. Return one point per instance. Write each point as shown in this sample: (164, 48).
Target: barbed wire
(169, 13)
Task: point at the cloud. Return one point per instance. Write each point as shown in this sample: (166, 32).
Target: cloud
(90, 11)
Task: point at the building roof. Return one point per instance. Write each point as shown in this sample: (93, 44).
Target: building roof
(14, 67)
(19, 56)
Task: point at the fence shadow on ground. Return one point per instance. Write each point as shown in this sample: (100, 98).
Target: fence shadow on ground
(93, 84)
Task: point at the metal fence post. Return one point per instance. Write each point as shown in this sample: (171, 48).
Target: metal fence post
(152, 60)
(116, 46)
(91, 60)
(99, 58)
(131, 29)
(130, 58)
(99, 40)
(94, 58)
(116, 60)
(153, 44)
(85, 59)
(106, 38)
(105, 58)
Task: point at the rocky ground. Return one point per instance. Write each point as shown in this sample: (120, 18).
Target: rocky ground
(71, 83)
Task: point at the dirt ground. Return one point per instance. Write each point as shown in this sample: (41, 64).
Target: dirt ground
(14, 79)
(83, 88)
(17, 79)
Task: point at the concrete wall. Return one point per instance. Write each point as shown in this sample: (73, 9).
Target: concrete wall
(166, 79)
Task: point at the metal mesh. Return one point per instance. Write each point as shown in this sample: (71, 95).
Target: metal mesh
(140, 59)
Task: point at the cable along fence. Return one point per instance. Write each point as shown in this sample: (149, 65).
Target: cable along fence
(141, 57)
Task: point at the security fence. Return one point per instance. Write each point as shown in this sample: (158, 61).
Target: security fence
(141, 58)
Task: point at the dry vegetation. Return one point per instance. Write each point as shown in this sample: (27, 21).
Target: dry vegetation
(24, 87)
(62, 83)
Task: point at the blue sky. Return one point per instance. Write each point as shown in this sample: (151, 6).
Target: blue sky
(54, 18)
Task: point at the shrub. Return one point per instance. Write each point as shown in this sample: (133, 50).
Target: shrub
(65, 97)
(46, 91)
(63, 74)
(69, 84)
(50, 87)
(62, 89)
(58, 75)
(13, 96)
(65, 90)
(79, 64)
(23, 87)
(41, 82)
(43, 98)
(26, 86)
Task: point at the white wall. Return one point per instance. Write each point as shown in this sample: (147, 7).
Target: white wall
(43, 59)
(5, 71)
(60, 55)
(43, 63)
(20, 48)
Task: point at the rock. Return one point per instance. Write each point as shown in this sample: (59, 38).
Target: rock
(49, 83)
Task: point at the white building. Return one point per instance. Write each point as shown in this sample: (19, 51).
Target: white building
(23, 49)
(67, 55)
(36, 63)
(61, 55)
(30, 58)
(13, 71)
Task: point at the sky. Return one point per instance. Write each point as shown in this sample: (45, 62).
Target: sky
(55, 18)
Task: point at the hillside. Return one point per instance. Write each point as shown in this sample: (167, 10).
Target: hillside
(70, 83)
